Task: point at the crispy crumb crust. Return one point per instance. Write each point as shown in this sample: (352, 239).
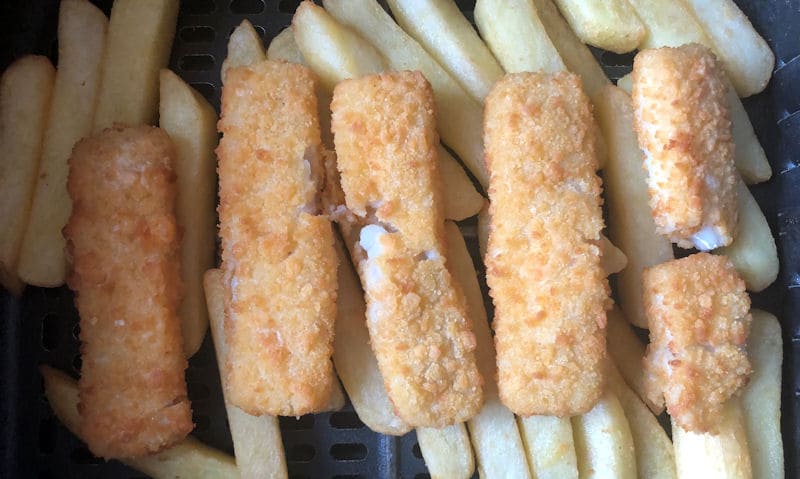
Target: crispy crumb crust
(682, 121)
(123, 239)
(543, 261)
(277, 252)
(384, 131)
(699, 318)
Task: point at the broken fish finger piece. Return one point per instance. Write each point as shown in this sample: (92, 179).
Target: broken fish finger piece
(384, 131)
(699, 317)
(683, 125)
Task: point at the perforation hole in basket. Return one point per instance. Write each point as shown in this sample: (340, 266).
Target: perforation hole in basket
(51, 331)
(288, 6)
(198, 7)
(48, 431)
(422, 476)
(76, 331)
(82, 455)
(345, 420)
(301, 453)
(303, 423)
(247, 7)
(352, 451)
(197, 62)
(416, 451)
(349, 476)
(46, 474)
(198, 34)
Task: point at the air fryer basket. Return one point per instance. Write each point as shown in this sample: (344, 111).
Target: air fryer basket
(42, 326)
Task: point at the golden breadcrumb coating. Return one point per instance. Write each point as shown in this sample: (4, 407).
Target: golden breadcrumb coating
(384, 131)
(684, 127)
(543, 262)
(699, 317)
(277, 251)
(123, 240)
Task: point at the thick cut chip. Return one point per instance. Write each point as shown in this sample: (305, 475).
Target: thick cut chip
(25, 90)
(81, 40)
(191, 123)
(139, 42)
(608, 24)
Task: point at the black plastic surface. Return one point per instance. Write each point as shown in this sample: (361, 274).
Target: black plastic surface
(41, 327)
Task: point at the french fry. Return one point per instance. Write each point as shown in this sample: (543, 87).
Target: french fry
(607, 24)
(283, 47)
(550, 446)
(761, 399)
(189, 458)
(673, 24)
(753, 250)
(613, 259)
(459, 118)
(256, 439)
(440, 27)
(446, 451)
(723, 455)
(191, 122)
(576, 56)
(334, 52)
(668, 23)
(494, 433)
(741, 49)
(81, 39)
(353, 357)
(25, 90)
(138, 45)
(514, 32)
(655, 457)
(244, 48)
(627, 351)
(630, 222)
(461, 199)
(603, 441)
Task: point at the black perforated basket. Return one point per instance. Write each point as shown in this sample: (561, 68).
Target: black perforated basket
(41, 327)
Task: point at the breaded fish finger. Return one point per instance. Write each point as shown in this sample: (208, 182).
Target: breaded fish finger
(684, 128)
(543, 261)
(384, 131)
(123, 239)
(699, 317)
(277, 251)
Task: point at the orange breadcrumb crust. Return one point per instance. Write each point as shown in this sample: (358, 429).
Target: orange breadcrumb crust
(384, 131)
(699, 316)
(682, 121)
(123, 239)
(277, 251)
(543, 261)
